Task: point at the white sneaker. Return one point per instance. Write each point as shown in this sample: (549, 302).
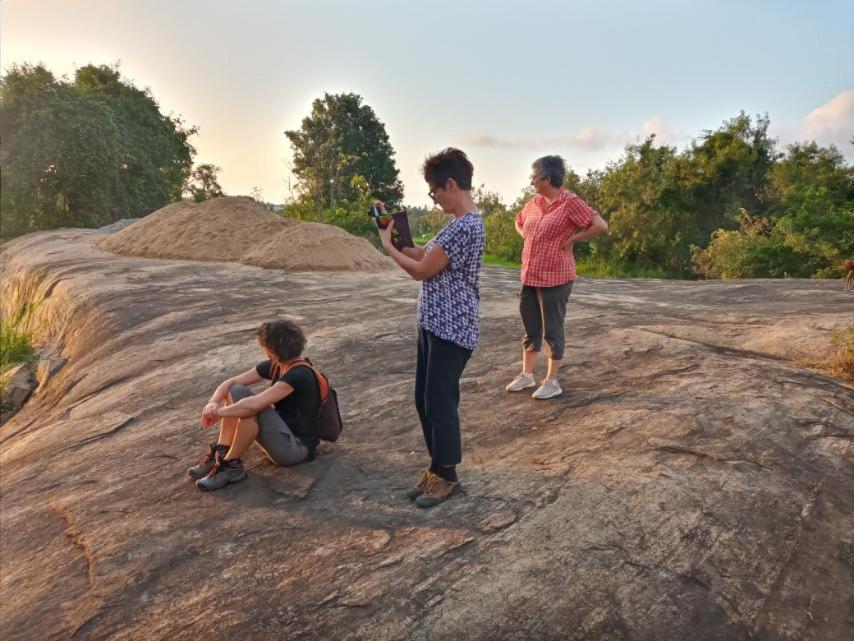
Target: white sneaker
(548, 389)
(523, 381)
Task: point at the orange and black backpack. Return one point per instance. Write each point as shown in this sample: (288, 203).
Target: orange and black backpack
(329, 422)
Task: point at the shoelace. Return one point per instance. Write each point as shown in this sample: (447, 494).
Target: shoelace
(432, 480)
(218, 462)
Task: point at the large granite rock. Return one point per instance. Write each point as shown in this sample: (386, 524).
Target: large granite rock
(695, 480)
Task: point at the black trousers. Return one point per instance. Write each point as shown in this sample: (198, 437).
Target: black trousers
(439, 365)
(543, 310)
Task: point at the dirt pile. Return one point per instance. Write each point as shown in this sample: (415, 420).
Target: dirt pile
(240, 230)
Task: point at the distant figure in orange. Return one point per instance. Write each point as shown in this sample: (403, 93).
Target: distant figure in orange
(848, 266)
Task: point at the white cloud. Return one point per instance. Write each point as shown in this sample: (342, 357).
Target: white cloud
(592, 139)
(832, 122)
(829, 124)
(589, 139)
(657, 126)
(485, 140)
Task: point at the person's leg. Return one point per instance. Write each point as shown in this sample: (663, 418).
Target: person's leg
(554, 300)
(227, 427)
(228, 424)
(235, 438)
(532, 321)
(445, 366)
(244, 435)
(426, 475)
(529, 310)
(277, 440)
(421, 358)
(529, 360)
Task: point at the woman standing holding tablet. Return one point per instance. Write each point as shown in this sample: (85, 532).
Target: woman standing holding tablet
(448, 317)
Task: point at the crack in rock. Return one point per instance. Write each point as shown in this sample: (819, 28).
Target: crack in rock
(673, 449)
(77, 540)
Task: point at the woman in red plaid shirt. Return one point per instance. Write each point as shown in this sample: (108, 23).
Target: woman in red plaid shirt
(551, 222)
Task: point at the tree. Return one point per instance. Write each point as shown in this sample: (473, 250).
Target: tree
(340, 140)
(651, 223)
(488, 202)
(202, 184)
(84, 153)
(156, 154)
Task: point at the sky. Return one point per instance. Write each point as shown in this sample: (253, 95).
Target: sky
(507, 82)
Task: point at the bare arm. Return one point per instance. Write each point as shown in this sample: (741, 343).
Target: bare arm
(220, 395)
(519, 229)
(416, 253)
(253, 404)
(415, 261)
(427, 266)
(248, 377)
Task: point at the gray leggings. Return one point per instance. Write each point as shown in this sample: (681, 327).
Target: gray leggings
(543, 310)
(274, 435)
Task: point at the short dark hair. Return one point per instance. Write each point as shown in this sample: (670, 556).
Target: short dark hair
(448, 163)
(551, 167)
(282, 337)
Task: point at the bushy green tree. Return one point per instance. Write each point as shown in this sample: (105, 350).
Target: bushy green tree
(342, 139)
(502, 240)
(809, 226)
(650, 220)
(84, 153)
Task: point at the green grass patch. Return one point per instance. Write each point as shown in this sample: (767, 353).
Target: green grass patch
(16, 337)
(15, 348)
(598, 268)
(15, 345)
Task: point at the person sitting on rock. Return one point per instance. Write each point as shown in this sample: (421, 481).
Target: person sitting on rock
(282, 419)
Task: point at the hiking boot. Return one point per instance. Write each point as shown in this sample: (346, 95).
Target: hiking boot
(223, 473)
(523, 381)
(548, 389)
(438, 490)
(421, 486)
(207, 463)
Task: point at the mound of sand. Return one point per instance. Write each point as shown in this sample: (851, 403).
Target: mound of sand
(314, 246)
(240, 230)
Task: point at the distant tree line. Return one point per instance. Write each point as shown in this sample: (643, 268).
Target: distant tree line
(728, 206)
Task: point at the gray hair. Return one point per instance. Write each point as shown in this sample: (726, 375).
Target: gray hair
(551, 167)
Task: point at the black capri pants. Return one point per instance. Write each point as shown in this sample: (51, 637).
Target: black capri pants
(543, 310)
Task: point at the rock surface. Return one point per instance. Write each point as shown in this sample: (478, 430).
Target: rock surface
(47, 367)
(693, 481)
(17, 386)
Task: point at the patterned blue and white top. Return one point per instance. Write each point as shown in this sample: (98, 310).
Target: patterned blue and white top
(448, 302)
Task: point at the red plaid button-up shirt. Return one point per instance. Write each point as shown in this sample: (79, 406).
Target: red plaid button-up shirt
(545, 263)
